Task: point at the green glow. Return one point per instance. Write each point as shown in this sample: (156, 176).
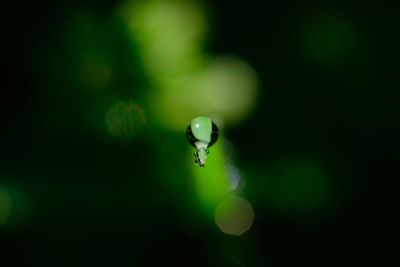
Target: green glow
(212, 181)
(169, 33)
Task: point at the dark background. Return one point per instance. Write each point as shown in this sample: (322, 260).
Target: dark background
(99, 200)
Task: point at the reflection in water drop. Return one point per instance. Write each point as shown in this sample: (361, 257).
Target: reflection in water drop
(234, 215)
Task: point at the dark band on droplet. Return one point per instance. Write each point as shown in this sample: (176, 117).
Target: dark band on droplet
(190, 136)
(214, 134)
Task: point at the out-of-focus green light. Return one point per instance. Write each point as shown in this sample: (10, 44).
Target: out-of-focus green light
(226, 88)
(125, 119)
(234, 215)
(229, 86)
(5, 206)
(212, 181)
(170, 33)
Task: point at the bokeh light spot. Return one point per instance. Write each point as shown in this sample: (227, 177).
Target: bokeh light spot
(227, 87)
(236, 181)
(125, 119)
(169, 33)
(234, 215)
